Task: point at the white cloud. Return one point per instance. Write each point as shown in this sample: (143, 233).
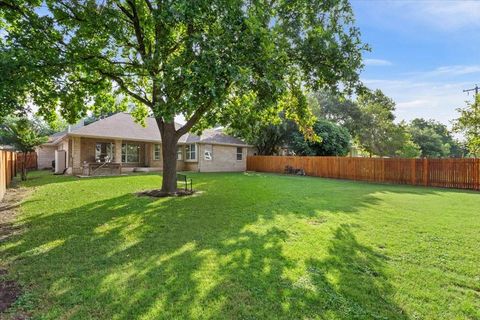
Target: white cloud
(450, 14)
(377, 62)
(441, 14)
(449, 71)
(418, 103)
(410, 15)
(417, 98)
(458, 70)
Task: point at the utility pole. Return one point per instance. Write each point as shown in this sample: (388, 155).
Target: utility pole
(475, 107)
(476, 89)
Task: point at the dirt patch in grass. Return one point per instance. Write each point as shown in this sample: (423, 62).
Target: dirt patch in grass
(157, 193)
(8, 209)
(10, 290)
(317, 221)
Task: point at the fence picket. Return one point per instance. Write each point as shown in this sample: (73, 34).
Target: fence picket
(447, 173)
(7, 170)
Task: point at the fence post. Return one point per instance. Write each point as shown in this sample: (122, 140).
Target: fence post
(383, 169)
(413, 173)
(476, 174)
(425, 171)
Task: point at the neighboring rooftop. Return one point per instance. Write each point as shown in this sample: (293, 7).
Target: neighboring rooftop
(122, 126)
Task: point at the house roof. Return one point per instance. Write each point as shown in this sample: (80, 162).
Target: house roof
(122, 126)
(55, 138)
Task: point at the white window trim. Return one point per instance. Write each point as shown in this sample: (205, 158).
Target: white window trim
(180, 148)
(159, 152)
(196, 153)
(237, 153)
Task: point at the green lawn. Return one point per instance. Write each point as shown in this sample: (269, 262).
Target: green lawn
(249, 246)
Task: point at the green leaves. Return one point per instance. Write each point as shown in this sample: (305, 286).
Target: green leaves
(377, 133)
(22, 133)
(469, 124)
(334, 140)
(178, 57)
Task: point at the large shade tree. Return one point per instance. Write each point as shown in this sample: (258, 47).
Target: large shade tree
(199, 59)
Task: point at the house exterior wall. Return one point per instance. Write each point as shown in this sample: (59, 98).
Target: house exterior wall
(45, 156)
(224, 158)
(251, 151)
(151, 161)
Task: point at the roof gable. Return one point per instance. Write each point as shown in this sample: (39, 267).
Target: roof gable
(120, 126)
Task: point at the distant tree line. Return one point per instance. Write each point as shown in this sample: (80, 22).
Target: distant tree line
(366, 124)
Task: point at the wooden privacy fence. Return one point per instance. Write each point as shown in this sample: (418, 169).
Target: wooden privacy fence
(30, 161)
(7, 170)
(447, 173)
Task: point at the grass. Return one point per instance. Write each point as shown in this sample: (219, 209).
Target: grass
(249, 246)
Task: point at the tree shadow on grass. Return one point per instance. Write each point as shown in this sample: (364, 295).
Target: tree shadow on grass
(127, 257)
(348, 284)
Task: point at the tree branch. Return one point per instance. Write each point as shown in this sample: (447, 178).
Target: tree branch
(124, 87)
(138, 30)
(193, 120)
(198, 114)
(149, 5)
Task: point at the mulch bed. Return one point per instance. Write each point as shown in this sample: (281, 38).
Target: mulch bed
(157, 193)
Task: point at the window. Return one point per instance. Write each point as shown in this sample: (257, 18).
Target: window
(190, 152)
(130, 152)
(104, 152)
(156, 151)
(179, 153)
(239, 153)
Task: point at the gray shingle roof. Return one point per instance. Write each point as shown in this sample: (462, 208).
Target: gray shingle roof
(122, 126)
(56, 137)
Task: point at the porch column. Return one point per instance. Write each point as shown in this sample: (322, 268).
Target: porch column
(118, 151)
(76, 155)
(147, 154)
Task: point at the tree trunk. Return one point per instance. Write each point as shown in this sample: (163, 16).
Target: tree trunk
(169, 151)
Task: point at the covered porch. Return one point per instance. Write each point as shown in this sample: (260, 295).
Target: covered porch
(100, 156)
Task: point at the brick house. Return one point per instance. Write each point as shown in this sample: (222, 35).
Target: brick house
(122, 143)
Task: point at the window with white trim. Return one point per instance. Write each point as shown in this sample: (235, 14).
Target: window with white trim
(156, 151)
(179, 153)
(191, 152)
(130, 152)
(239, 153)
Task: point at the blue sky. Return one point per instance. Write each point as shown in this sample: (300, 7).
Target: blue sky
(424, 53)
